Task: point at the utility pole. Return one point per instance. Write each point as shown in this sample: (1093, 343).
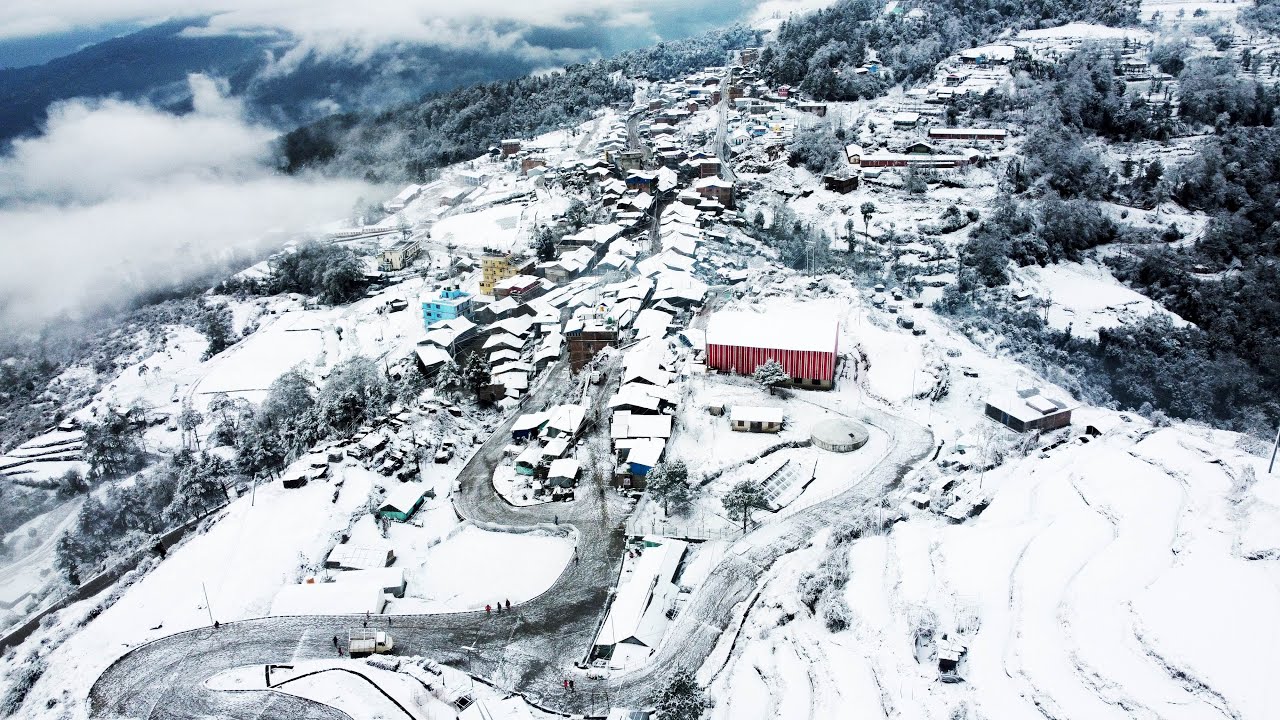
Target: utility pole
(206, 602)
(1274, 448)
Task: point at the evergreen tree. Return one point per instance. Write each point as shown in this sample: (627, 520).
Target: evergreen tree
(113, 444)
(449, 379)
(682, 698)
(353, 395)
(771, 375)
(742, 499)
(215, 323)
(669, 482)
(477, 372)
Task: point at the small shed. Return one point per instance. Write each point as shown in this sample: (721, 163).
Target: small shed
(751, 418)
(528, 425)
(402, 502)
(359, 557)
(527, 462)
(390, 580)
(1028, 409)
(564, 472)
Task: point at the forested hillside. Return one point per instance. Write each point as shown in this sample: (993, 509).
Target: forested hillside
(152, 65)
(403, 143)
(1225, 282)
(819, 52)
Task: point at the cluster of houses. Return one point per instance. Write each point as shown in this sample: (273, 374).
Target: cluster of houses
(543, 445)
(530, 312)
(358, 578)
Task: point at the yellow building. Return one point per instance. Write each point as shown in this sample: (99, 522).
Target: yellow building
(496, 268)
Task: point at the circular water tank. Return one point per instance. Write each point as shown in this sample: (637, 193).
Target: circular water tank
(839, 435)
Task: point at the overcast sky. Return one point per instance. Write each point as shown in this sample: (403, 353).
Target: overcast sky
(330, 26)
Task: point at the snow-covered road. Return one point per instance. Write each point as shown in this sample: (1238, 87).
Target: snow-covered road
(529, 650)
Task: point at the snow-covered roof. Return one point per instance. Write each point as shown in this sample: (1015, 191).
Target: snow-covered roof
(431, 355)
(633, 396)
(512, 366)
(531, 455)
(642, 451)
(555, 448)
(714, 182)
(755, 413)
(529, 421)
(360, 557)
(563, 468)
(503, 340)
(627, 426)
(656, 565)
(385, 578)
(402, 497)
(566, 418)
(516, 380)
(652, 323)
(328, 599)
(648, 372)
(500, 356)
(1026, 405)
(801, 328)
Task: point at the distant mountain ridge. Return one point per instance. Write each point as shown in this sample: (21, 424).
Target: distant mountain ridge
(152, 65)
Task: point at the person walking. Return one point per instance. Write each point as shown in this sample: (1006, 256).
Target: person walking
(487, 609)
(508, 604)
(571, 686)
(335, 641)
(566, 684)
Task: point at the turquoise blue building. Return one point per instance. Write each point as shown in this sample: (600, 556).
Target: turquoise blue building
(449, 304)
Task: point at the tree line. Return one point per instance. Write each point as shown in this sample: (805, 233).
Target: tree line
(820, 53)
(407, 141)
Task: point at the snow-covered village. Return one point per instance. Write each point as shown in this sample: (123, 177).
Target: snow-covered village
(860, 359)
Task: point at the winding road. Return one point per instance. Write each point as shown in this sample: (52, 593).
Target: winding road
(529, 650)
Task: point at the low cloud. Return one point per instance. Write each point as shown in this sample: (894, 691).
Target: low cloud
(327, 25)
(116, 197)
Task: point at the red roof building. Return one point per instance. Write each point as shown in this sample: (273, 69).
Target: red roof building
(805, 344)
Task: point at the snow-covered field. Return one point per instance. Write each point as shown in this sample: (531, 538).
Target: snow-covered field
(475, 567)
(494, 227)
(1086, 297)
(1104, 581)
